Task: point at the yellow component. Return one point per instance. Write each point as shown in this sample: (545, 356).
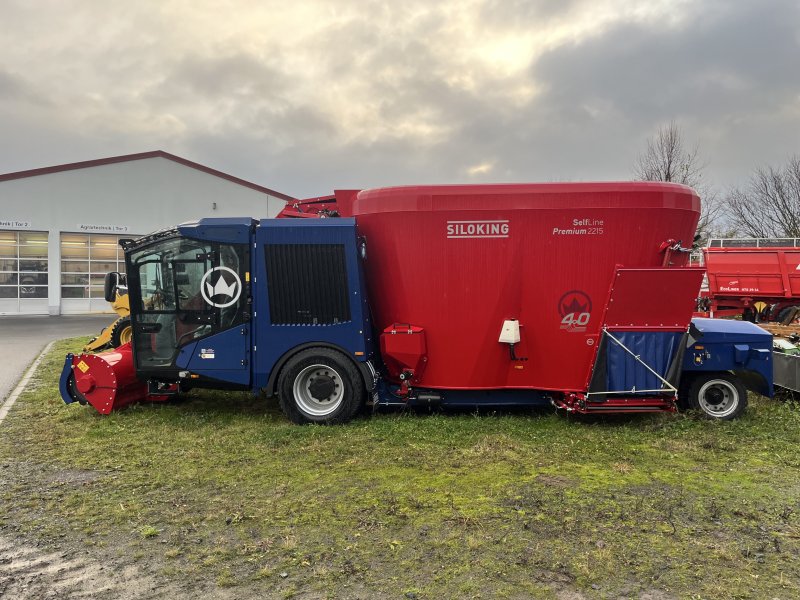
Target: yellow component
(83, 367)
(519, 367)
(247, 276)
(359, 353)
(121, 306)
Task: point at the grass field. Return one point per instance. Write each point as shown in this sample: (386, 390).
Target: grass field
(221, 489)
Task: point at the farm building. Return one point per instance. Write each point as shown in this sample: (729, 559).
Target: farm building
(60, 225)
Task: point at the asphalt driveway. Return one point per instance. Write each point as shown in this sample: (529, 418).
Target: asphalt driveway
(23, 338)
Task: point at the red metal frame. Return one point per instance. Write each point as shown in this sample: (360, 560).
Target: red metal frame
(309, 208)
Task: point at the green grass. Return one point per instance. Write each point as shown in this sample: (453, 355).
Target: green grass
(221, 488)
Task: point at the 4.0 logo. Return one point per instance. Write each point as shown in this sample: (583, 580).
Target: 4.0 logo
(575, 308)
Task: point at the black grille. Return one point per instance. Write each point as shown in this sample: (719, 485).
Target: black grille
(307, 284)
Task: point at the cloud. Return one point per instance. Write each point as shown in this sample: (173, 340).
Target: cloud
(314, 95)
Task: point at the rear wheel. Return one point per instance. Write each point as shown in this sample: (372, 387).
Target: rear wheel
(122, 332)
(717, 396)
(784, 313)
(320, 385)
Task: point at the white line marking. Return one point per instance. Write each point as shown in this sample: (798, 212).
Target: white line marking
(9, 402)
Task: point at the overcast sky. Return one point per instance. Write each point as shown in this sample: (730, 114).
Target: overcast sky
(307, 96)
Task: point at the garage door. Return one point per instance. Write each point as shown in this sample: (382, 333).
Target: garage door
(85, 260)
(23, 272)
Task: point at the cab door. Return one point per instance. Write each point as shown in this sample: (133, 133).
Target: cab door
(216, 297)
(191, 314)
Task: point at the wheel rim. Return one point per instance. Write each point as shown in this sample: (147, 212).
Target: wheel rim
(126, 335)
(318, 390)
(718, 398)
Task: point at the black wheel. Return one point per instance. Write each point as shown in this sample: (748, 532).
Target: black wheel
(122, 332)
(748, 314)
(683, 393)
(320, 385)
(784, 314)
(717, 395)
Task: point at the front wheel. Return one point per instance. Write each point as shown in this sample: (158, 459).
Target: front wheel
(717, 396)
(320, 385)
(122, 332)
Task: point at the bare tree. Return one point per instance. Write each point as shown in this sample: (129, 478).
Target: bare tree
(667, 158)
(769, 206)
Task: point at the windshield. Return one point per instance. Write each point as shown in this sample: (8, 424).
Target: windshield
(182, 290)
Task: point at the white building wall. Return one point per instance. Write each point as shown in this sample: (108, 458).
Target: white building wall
(132, 197)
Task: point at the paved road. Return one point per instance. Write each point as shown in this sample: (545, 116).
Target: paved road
(22, 339)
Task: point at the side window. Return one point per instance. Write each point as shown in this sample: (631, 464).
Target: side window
(231, 270)
(188, 279)
(211, 287)
(156, 292)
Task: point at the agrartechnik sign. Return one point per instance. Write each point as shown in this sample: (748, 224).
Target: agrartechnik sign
(99, 228)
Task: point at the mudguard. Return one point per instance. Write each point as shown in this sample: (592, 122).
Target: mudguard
(737, 346)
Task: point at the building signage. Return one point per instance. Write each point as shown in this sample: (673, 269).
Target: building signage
(95, 228)
(15, 224)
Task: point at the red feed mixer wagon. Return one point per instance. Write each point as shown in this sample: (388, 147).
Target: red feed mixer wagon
(575, 295)
(546, 257)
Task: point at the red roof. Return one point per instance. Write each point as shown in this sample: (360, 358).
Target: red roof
(142, 155)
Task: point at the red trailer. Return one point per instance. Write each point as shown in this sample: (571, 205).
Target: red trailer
(758, 279)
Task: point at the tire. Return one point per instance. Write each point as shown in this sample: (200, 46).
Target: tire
(749, 315)
(719, 396)
(784, 313)
(683, 393)
(121, 332)
(320, 385)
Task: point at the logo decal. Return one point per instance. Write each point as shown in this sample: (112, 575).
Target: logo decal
(226, 289)
(575, 309)
(478, 229)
